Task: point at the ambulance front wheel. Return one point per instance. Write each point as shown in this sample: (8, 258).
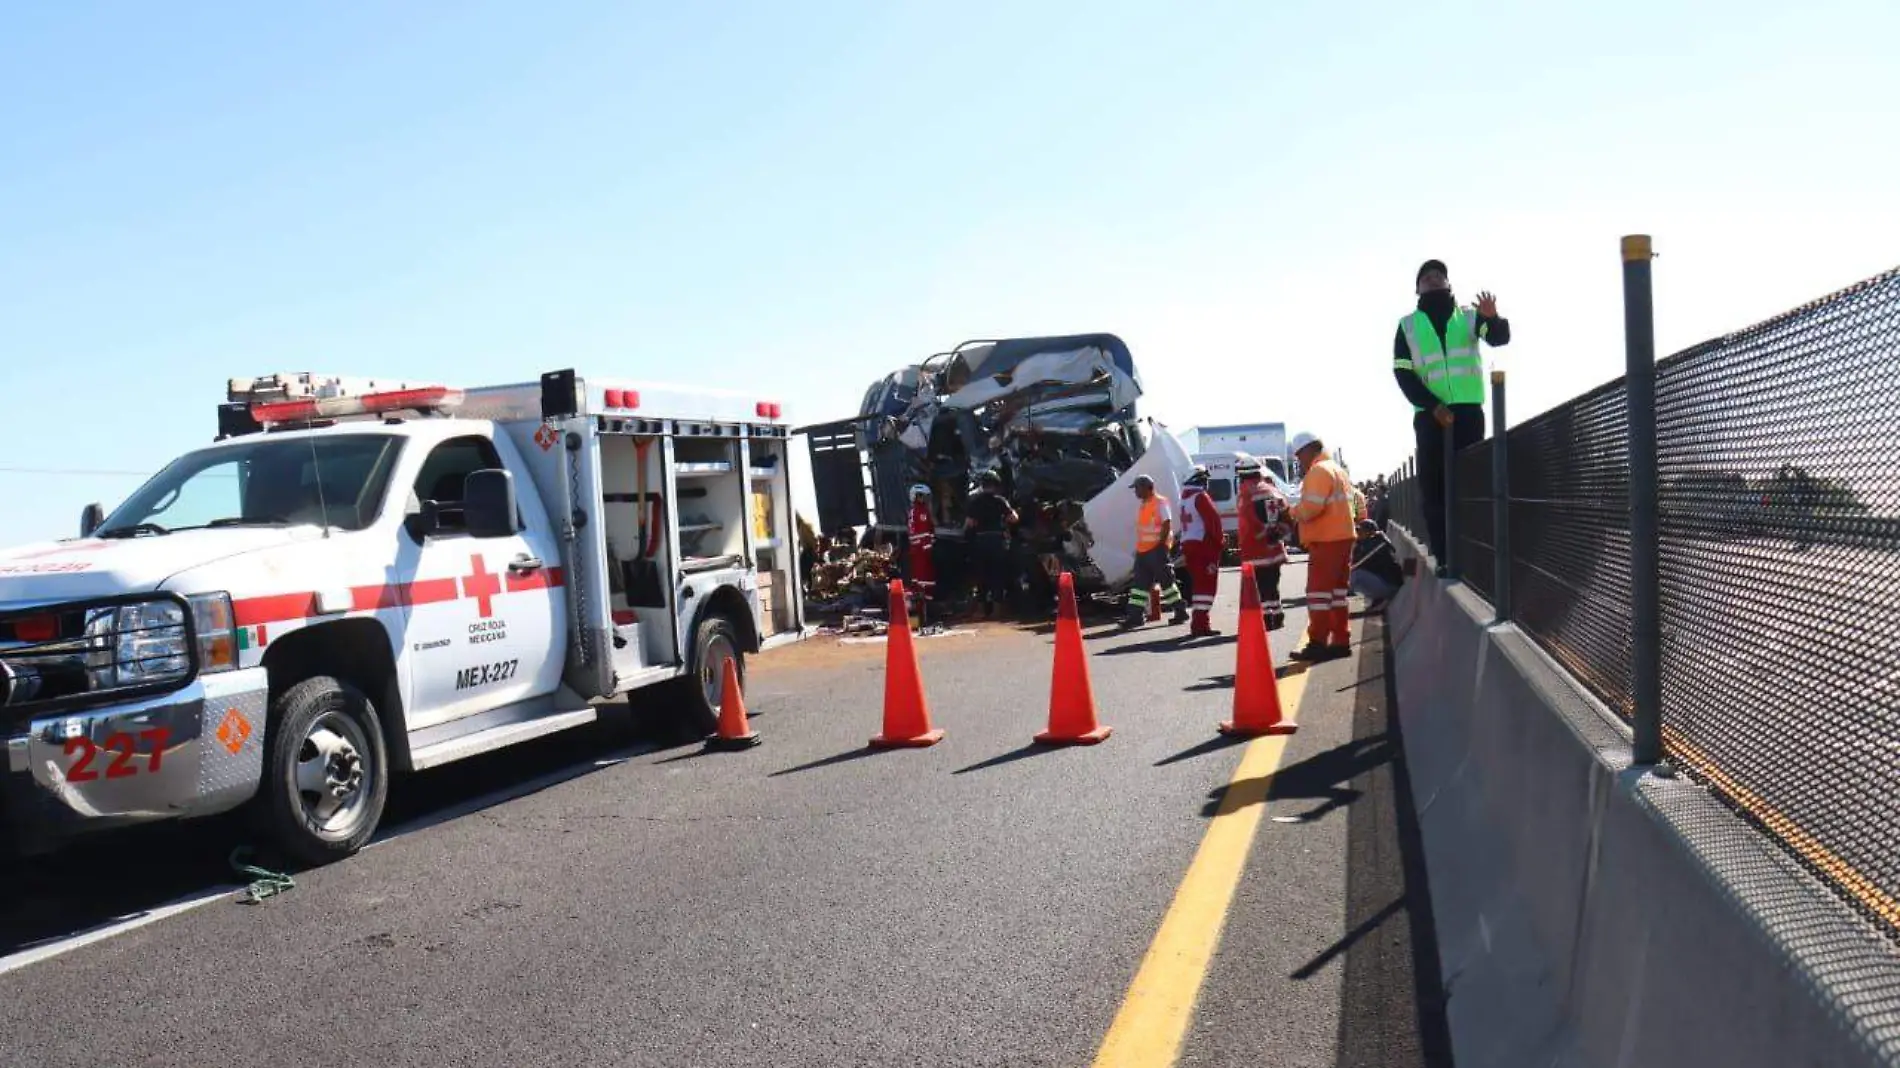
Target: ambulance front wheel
(326, 773)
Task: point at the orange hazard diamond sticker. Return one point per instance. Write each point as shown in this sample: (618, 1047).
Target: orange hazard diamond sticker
(546, 437)
(234, 731)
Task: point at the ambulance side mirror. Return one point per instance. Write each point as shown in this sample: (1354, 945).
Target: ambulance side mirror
(91, 518)
(488, 505)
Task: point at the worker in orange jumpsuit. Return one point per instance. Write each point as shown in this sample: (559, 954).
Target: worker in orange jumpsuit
(923, 540)
(1201, 543)
(1324, 513)
(1264, 529)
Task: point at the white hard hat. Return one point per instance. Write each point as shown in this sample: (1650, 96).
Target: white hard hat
(1303, 439)
(919, 490)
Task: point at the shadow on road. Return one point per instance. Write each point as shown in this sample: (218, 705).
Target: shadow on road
(1169, 643)
(824, 762)
(1027, 751)
(1226, 682)
(119, 876)
(1348, 940)
(1322, 777)
(1212, 745)
(1379, 678)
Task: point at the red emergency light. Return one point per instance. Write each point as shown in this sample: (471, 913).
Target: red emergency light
(304, 410)
(623, 398)
(36, 628)
(770, 410)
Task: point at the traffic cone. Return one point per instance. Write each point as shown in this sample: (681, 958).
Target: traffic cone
(1071, 698)
(1256, 684)
(906, 712)
(734, 732)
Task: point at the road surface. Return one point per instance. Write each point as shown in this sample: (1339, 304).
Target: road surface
(808, 902)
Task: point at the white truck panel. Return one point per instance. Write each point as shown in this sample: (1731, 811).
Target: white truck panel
(1110, 514)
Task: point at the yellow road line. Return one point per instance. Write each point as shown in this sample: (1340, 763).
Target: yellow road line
(1159, 1005)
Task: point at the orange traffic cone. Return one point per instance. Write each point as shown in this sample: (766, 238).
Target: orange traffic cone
(734, 732)
(1256, 684)
(906, 712)
(1071, 698)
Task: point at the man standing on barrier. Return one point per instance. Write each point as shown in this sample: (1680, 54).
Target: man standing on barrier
(1436, 361)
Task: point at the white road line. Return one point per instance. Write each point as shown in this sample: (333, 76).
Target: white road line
(61, 945)
(58, 947)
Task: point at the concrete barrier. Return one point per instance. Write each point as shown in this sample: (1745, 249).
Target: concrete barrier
(1591, 914)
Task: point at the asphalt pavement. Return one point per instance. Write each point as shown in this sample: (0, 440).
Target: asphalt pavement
(807, 902)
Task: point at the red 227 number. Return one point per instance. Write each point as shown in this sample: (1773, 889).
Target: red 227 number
(123, 748)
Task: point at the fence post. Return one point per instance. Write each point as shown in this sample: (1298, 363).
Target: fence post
(1639, 344)
(1450, 562)
(1500, 502)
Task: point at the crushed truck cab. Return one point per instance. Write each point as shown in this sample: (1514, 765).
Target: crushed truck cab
(362, 577)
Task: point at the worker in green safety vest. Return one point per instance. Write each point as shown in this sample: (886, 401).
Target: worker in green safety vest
(1436, 360)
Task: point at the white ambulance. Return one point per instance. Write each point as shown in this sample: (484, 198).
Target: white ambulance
(361, 578)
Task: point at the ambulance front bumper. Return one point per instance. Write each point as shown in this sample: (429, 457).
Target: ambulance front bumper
(196, 751)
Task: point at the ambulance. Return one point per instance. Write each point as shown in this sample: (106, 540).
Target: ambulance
(365, 577)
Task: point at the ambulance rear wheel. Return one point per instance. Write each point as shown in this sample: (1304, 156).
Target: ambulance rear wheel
(326, 772)
(696, 706)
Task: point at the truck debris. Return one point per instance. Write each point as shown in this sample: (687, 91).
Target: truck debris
(1055, 417)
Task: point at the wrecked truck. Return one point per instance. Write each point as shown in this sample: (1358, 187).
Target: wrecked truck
(1054, 417)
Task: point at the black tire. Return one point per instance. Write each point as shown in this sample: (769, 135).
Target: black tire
(288, 813)
(695, 708)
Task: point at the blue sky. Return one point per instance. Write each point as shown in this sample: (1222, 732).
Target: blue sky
(796, 198)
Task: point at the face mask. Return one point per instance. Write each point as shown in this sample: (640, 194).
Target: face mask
(1438, 301)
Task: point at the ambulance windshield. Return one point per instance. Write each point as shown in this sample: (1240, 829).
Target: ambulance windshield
(334, 480)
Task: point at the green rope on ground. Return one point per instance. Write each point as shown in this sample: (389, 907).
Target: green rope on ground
(264, 882)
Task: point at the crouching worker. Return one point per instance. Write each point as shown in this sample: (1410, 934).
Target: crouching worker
(1154, 534)
(1376, 574)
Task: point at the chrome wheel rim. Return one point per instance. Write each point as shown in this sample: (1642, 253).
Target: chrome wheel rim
(333, 776)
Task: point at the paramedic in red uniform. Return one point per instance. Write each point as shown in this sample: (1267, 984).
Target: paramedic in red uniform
(923, 540)
(1263, 533)
(1201, 540)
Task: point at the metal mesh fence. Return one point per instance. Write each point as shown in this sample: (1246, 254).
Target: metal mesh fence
(1779, 499)
(1405, 508)
(1570, 552)
(1473, 519)
(1779, 491)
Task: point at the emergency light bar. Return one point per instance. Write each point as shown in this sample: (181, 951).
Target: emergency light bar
(303, 397)
(428, 399)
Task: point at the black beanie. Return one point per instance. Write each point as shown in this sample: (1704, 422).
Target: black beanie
(1428, 265)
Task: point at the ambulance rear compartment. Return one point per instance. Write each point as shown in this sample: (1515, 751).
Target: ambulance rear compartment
(682, 505)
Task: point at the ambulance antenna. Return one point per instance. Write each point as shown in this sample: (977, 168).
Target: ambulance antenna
(316, 470)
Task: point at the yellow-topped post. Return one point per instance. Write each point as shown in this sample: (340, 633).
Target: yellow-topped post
(1639, 346)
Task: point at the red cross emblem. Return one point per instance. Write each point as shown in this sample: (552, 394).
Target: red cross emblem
(481, 585)
(546, 437)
